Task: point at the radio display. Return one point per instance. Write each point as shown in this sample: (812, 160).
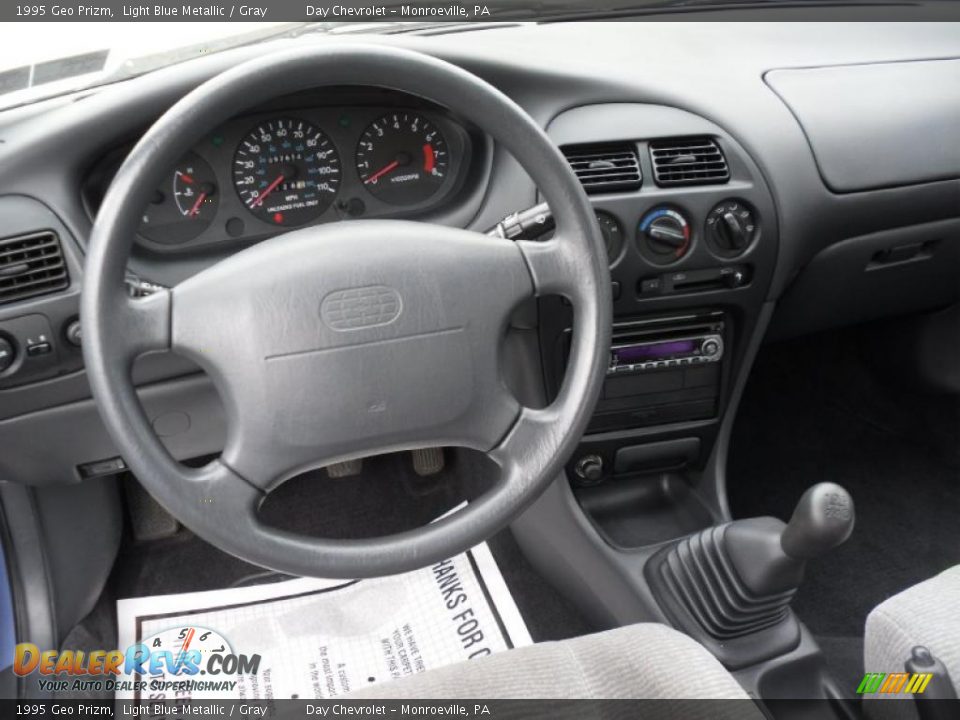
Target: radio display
(654, 351)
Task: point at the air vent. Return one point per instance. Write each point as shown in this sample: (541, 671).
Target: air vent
(31, 265)
(688, 161)
(605, 168)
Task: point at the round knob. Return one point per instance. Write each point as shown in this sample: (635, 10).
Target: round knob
(731, 228)
(590, 468)
(612, 234)
(823, 519)
(710, 347)
(664, 235)
(7, 354)
(73, 333)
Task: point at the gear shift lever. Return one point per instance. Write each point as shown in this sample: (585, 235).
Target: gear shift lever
(727, 585)
(822, 520)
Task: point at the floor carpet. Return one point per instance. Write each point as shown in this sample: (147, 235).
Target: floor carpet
(814, 410)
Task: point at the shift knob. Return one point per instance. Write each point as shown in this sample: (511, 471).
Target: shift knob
(822, 520)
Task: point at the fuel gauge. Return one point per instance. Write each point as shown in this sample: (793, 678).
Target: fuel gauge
(185, 206)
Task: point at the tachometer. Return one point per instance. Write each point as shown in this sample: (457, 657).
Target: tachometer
(286, 172)
(402, 158)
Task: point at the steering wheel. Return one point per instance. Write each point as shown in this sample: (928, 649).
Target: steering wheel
(350, 339)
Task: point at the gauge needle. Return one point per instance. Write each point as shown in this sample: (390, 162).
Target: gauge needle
(382, 171)
(183, 648)
(186, 643)
(196, 206)
(269, 189)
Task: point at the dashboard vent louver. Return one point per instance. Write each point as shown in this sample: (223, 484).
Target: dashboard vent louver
(31, 265)
(605, 168)
(688, 161)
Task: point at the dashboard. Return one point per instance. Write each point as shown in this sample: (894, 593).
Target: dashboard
(293, 166)
(787, 239)
(840, 205)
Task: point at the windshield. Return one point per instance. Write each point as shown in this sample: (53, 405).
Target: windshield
(38, 60)
(43, 59)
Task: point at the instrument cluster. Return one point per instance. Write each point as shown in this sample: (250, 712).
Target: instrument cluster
(260, 174)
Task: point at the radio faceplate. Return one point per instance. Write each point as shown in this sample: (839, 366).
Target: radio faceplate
(643, 356)
(650, 345)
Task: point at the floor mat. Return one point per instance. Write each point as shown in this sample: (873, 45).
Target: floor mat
(814, 411)
(324, 638)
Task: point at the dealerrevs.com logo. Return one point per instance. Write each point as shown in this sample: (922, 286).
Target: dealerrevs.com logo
(170, 661)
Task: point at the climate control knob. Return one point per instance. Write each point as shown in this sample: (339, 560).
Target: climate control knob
(663, 236)
(731, 228)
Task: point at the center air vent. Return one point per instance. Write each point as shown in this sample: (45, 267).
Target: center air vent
(688, 161)
(31, 265)
(605, 168)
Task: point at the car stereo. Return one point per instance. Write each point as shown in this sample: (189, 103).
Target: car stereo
(642, 355)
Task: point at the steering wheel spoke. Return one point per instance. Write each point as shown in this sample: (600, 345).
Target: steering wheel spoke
(556, 265)
(145, 323)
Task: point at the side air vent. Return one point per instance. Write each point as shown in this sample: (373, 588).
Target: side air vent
(605, 168)
(31, 265)
(688, 161)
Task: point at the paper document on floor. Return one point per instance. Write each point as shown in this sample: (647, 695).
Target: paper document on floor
(310, 638)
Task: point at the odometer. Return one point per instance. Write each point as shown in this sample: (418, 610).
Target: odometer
(402, 158)
(286, 172)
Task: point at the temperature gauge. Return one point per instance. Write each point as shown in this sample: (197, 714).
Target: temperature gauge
(183, 207)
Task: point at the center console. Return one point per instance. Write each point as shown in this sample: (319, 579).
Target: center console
(691, 236)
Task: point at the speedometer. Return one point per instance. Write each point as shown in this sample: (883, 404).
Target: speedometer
(286, 172)
(402, 158)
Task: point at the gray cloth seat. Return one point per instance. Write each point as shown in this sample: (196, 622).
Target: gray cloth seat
(638, 661)
(925, 614)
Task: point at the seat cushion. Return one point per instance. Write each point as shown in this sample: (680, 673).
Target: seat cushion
(925, 614)
(637, 661)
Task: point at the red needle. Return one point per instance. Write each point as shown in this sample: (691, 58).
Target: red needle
(186, 643)
(196, 206)
(269, 189)
(183, 648)
(382, 171)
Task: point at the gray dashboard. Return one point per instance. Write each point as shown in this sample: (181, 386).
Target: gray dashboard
(716, 81)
